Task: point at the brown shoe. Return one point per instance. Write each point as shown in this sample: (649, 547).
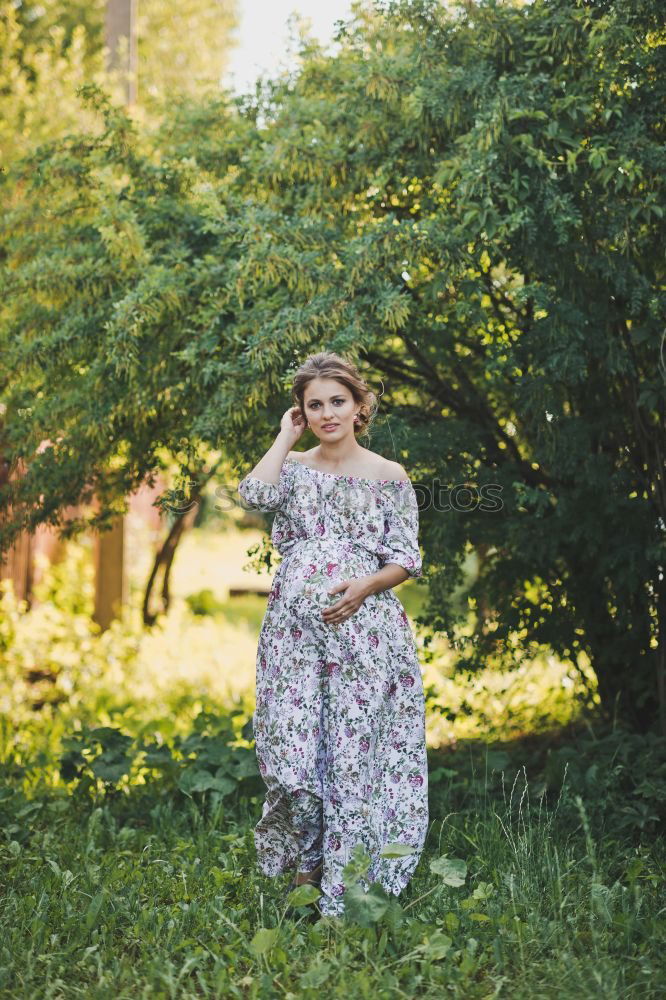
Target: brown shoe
(308, 878)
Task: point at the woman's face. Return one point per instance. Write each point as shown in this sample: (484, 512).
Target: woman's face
(329, 409)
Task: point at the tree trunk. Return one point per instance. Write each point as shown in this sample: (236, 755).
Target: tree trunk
(120, 29)
(164, 561)
(165, 556)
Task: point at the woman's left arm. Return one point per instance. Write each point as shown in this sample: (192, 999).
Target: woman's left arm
(361, 587)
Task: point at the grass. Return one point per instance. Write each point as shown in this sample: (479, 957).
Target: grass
(141, 892)
(127, 885)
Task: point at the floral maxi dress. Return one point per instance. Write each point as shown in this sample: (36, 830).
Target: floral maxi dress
(339, 723)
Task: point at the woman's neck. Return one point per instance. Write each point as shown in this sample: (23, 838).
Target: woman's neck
(339, 454)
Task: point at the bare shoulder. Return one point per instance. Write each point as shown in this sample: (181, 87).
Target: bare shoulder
(296, 455)
(394, 470)
(385, 469)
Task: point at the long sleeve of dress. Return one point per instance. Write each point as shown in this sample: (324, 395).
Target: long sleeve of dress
(267, 496)
(400, 542)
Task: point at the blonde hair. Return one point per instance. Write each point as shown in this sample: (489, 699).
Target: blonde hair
(328, 364)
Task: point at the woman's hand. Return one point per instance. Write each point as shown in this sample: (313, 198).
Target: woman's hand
(292, 424)
(356, 592)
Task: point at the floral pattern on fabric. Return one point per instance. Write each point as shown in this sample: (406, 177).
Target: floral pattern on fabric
(339, 723)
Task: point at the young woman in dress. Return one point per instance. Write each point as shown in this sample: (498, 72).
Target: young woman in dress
(339, 723)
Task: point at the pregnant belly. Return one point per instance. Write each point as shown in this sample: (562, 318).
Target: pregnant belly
(311, 569)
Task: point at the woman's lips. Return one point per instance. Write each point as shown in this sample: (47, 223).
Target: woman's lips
(329, 427)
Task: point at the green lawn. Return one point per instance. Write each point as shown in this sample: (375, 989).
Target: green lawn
(123, 877)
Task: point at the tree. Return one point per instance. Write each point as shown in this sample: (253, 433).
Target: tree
(50, 48)
(469, 202)
(47, 50)
(183, 48)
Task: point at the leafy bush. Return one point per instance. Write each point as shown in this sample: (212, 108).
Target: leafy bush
(106, 759)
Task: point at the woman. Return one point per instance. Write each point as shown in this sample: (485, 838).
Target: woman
(339, 722)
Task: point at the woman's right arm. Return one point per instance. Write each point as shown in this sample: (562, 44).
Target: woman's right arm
(268, 469)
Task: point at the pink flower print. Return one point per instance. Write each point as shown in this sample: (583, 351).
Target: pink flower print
(337, 890)
(332, 668)
(390, 813)
(310, 570)
(303, 737)
(364, 744)
(279, 633)
(395, 777)
(407, 680)
(349, 731)
(263, 661)
(278, 536)
(393, 688)
(296, 632)
(319, 528)
(331, 567)
(334, 842)
(416, 780)
(373, 639)
(403, 618)
(262, 766)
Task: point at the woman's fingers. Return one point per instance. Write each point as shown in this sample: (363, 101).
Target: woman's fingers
(340, 615)
(339, 607)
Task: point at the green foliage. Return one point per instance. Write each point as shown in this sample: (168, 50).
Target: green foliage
(150, 891)
(129, 871)
(468, 201)
(397, 850)
(182, 48)
(618, 773)
(452, 870)
(302, 895)
(204, 602)
(101, 757)
(49, 49)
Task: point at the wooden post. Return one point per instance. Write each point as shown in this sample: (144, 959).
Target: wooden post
(16, 564)
(108, 546)
(110, 577)
(120, 22)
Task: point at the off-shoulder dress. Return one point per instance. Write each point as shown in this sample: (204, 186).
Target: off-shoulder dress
(339, 723)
